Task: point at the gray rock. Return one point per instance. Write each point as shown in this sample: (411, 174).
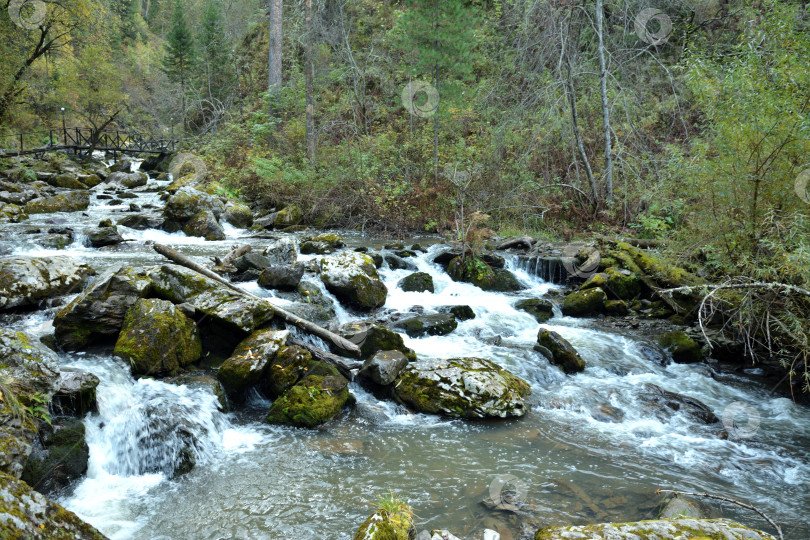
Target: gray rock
(539, 308)
(559, 351)
(205, 225)
(26, 281)
(76, 395)
(416, 282)
(281, 276)
(668, 403)
(282, 251)
(353, 278)
(128, 180)
(383, 368)
(103, 236)
(252, 261)
(141, 222)
(438, 324)
(238, 214)
(660, 528)
(60, 455)
(398, 263)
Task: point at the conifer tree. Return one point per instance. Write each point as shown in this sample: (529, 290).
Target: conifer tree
(179, 62)
(215, 47)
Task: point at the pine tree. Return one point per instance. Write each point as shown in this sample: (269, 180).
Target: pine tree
(179, 62)
(217, 75)
(128, 12)
(440, 35)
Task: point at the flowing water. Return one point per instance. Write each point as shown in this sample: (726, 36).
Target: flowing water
(590, 449)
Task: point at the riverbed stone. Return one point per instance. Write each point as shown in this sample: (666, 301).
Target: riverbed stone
(76, 393)
(563, 354)
(461, 313)
(187, 202)
(25, 513)
(282, 251)
(684, 350)
(541, 309)
(584, 303)
(384, 367)
(462, 387)
(103, 236)
(279, 276)
(69, 201)
(59, 456)
(290, 364)
(474, 270)
(665, 404)
(395, 262)
(322, 244)
(286, 217)
(203, 379)
(313, 401)
(388, 524)
(353, 278)
(98, 312)
(66, 180)
(204, 224)
(436, 324)
(157, 338)
(372, 338)
(141, 221)
(417, 282)
(182, 285)
(675, 529)
(26, 281)
(250, 360)
(238, 214)
(128, 180)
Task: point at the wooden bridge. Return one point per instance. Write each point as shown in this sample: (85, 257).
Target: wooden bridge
(80, 140)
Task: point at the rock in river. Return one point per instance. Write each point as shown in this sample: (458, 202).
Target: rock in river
(465, 387)
(353, 278)
(686, 528)
(25, 281)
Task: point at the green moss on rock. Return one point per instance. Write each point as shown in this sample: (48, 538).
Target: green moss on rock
(659, 529)
(247, 366)
(563, 354)
(539, 308)
(474, 270)
(584, 303)
(684, 350)
(313, 401)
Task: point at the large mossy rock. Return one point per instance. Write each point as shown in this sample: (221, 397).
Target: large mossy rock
(562, 353)
(353, 278)
(290, 364)
(684, 350)
(282, 251)
(373, 338)
(277, 276)
(474, 270)
(462, 387)
(672, 529)
(71, 201)
(322, 244)
(128, 180)
(187, 202)
(541, 309)
(209, 297)
(98, 312)
(60, 456)
(157, 338)
(26, 281)
(30, 374)
(250, 360)
(584, 303)
(417, 282)
(238, 214)
(388, 524)
(205, 225)
(621, 284)
(313, 401)
(27, 514)
(665, 274)
(436, 324)
(66, 180)
(291, 215)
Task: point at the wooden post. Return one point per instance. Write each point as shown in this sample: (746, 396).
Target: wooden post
(338, 341)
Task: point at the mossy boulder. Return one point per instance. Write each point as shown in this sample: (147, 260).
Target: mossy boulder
(664, 273)
(474, 270)
(683, 528)
(157, 338)
(288, 216)
(247, 366)
(238, 214)
(186, 180)
(25, 513)
(60, 456)
(618, 283)
(384, 367)
(437, 324)
(187, 202)
(416, 282)
(539, 308)
(70, 201)
(98, 312)
(278, 276)
(103, 236)
(26, 281)
(372, 338)
(684, 350)
(12, 212)
(584, 303)
(205, 225)
(616, 307)
(563, 354)
(322, 244)
(388, 524)
(66, 180)
(462, 313)
(289, 365)
(128, 180)
(353, 278)
(462, 387)
(211, 298)
(313, 401)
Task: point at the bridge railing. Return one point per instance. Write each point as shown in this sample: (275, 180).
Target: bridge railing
(82, 139)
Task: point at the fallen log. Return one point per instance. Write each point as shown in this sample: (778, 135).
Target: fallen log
(291, 318)
(525, 242)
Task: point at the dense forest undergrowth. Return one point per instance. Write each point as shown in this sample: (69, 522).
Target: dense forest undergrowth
(684, 121)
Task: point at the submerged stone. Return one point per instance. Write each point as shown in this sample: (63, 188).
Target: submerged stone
(563, 354)
(686, 528)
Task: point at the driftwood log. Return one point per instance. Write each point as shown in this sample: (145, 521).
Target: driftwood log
(291, 318)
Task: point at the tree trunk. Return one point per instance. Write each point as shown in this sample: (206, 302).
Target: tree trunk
(310, 75)
(605, 106)
(276, 11)
(572, 100)
(436, 128)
